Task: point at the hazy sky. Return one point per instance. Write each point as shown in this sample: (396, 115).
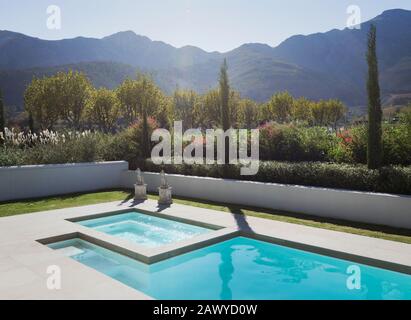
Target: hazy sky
(210, 24)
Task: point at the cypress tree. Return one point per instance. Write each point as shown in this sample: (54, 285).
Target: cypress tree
(225, 96)
(224, 106)
(145, 136)
(374, 152)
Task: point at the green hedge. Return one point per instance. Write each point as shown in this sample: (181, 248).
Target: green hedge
(394, 179)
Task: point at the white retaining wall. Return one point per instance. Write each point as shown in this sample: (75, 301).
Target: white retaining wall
(41, 181)
(45, 180)
(382, 209)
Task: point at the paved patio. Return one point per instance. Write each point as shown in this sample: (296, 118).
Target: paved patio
(24, 260)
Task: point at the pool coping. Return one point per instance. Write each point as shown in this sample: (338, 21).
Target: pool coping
(154, 214)
(144, 254)
(23, 239)
(135, 251)
(147, 255)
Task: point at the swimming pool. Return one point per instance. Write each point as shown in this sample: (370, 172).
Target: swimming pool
(144, 229)
(242, 269)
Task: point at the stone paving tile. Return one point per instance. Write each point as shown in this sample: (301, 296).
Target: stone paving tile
(16, 278)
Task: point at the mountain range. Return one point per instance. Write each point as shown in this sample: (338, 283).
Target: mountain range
(317, 66)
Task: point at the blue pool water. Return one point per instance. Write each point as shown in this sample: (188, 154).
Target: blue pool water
(144, 229)
(241, 269)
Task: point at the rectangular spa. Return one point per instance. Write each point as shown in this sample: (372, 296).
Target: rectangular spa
(143, 229)
(242, 269)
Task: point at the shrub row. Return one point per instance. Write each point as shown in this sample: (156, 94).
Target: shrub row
(277, 143)
(87, 148)
(391, 179)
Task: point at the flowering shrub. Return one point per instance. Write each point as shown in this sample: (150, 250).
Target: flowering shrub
(126, 145)
(19, 139)
(345, 136)
(352, 147)
(49, 147)
(293, 143)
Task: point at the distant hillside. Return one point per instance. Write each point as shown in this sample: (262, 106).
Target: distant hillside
(18, 51)
(397, 100)
(397, 78)
(341, 53)
(318, 66)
